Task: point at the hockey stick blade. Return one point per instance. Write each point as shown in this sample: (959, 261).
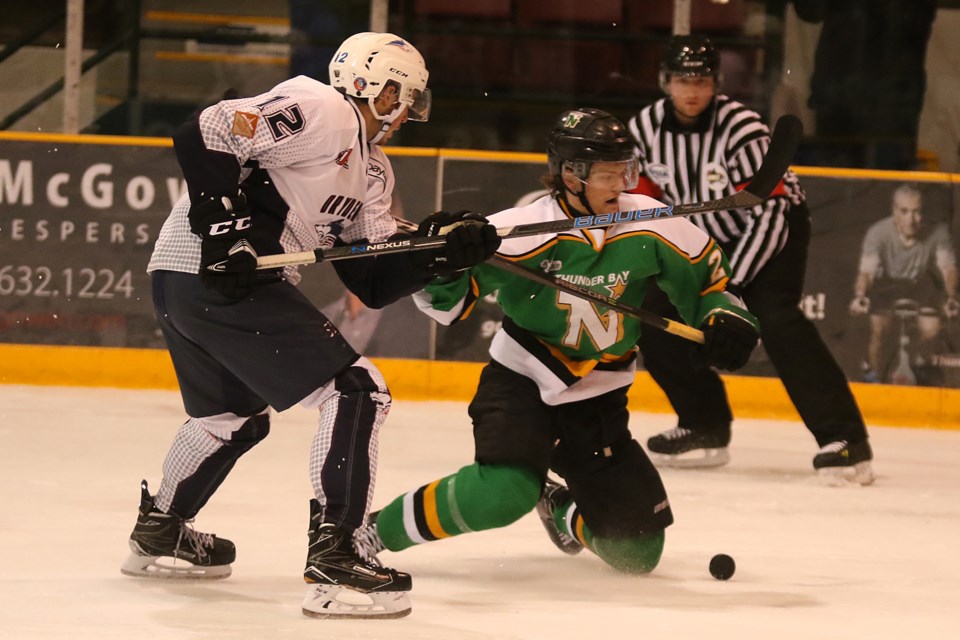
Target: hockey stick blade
(783, 145)
(652, 319)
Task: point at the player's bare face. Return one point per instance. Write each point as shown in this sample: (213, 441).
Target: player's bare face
(907, 216)
(691, 95)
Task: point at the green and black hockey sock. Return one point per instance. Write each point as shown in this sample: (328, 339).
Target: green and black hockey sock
(476, 498)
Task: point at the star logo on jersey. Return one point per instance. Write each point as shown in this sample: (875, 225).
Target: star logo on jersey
(343, 157)
(618, 287)
(244, 124)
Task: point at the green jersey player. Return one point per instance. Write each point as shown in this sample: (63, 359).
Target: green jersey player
(554, 394)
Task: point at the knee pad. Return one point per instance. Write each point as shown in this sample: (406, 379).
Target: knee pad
(233, 430)
(255, 429)
(362, 377)
(635, 555)
(618, 491)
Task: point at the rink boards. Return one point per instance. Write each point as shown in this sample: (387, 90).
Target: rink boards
(750, 396)
(79, 215)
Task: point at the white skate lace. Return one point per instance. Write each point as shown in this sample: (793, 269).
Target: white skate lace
(368, 544)
(676, 433)
(198, 541)
(834, 447)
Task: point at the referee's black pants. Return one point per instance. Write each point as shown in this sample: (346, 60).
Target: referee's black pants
(814, 381)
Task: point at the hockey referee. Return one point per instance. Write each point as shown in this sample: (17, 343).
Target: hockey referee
(697, 144)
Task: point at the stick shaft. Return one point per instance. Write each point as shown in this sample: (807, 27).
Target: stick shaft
(652, 319)
(670, 326)
(783, 144)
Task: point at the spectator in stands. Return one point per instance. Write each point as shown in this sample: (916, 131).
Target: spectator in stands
(870, 52)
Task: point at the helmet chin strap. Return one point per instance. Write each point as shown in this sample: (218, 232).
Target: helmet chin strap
(385, 120)
(581, 197)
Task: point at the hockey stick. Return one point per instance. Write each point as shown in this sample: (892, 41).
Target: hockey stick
(670, 326)
(783, 144)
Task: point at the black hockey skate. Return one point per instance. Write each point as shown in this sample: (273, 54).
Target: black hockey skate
(840, 462)
(554, 495)
(164, 545)
(344, 583)
(689, 448)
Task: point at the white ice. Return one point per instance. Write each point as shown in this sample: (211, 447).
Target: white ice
(812, 562)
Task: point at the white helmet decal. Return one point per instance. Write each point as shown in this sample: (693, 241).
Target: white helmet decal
(366, 62)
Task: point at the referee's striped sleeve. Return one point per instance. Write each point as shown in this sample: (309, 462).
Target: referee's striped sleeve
(766, 230)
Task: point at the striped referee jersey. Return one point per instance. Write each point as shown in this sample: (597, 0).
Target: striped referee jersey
(715, 158)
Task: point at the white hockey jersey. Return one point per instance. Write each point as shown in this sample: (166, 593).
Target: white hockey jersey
(304, 163)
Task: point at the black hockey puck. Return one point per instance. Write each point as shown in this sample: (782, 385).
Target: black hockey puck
(722, 566)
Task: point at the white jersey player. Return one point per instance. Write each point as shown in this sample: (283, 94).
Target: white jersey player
(293, 169)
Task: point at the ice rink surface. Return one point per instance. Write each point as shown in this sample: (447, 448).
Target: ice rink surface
(812, 562)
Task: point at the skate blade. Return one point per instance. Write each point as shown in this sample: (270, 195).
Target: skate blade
(335, 601)
(696, 459)
(860, 473)
(164, 568)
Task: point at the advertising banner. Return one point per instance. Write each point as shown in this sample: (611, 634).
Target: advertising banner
(77, 225)
(882, 279)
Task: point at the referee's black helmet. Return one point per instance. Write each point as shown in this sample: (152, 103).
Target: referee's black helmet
(689, 56)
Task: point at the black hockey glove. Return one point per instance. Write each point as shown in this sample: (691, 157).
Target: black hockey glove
(227, 260)
(471, 241)
(728, 340)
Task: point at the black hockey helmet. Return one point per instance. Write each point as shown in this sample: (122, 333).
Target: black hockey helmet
(689, 56)
(581, 137)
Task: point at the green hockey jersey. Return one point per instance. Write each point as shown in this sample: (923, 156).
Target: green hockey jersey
(572, 348)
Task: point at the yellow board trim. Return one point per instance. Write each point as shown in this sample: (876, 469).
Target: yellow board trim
(751, 397)
(64, 138)
(472, 154)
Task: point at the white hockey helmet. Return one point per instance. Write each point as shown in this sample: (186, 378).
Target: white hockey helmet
(366, 62)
